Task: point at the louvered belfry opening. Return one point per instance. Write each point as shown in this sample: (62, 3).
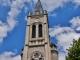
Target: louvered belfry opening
(33, 31)
(40, 30)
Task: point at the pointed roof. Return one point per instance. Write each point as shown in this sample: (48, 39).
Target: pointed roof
(38, 9)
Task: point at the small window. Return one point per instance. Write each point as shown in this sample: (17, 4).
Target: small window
(40, 30)
(33, 31)
(36, 55)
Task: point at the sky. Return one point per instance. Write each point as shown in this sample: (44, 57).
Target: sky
(64, 25)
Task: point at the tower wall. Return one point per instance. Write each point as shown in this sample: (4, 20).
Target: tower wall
(38, 47)
(54, 55)
(35, 49)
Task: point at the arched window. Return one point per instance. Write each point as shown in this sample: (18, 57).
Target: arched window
(33, 31)
(40, 30)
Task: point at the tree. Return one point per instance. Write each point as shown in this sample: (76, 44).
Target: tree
(74, 50)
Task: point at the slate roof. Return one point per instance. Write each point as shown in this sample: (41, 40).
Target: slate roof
(38, 9)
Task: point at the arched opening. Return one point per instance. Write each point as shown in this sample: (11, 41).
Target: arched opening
(40, 30)
(37, 56)
(33, 31)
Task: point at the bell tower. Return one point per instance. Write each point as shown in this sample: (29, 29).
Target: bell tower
(37, 44)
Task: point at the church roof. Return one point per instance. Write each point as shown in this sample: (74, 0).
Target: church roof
(38, 9)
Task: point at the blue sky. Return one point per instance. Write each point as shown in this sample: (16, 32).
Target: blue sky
(64, 25)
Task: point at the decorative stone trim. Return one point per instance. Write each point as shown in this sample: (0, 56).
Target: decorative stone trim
(26, 45)
(46, 43)
(45, 23)
(28, 25)
(54, 51)
(38, 56)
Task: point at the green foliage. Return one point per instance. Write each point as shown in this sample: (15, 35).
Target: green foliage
(74, 51)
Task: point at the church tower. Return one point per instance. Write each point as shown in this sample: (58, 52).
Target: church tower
(37, 43)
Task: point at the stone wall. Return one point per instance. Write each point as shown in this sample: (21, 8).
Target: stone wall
(36, 48)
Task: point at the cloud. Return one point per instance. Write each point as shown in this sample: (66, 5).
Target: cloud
(5, 2)
(65, 35)
(51, 5)
(11, 22)
(75, 23)
(3, 30)
(25, 18)
(77, 2)
(57, 30)
(54, 15)
(62, 56)
(9, 56)
(78, 29)
(26, 8)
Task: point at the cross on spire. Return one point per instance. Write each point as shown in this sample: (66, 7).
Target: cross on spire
(38, 9)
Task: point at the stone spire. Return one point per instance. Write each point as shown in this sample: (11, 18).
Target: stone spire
(38, 9)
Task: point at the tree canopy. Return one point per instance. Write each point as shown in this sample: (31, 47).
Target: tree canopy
(74, 50)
